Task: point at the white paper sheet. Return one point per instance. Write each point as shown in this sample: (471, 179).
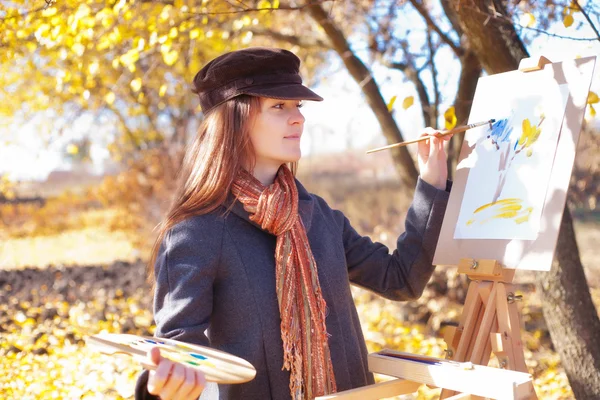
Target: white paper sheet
(510, 170)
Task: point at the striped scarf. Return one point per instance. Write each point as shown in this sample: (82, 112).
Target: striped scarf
(301, 304)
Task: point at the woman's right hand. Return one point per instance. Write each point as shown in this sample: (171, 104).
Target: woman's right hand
(173, 380)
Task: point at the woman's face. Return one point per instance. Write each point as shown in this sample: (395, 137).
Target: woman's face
(276, 132)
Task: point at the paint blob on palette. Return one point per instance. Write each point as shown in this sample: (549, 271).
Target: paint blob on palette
(218, 366)
(175, 352)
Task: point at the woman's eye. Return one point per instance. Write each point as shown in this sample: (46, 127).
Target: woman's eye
(282, 105)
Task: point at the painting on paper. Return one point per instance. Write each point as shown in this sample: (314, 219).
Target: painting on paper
(511, 160)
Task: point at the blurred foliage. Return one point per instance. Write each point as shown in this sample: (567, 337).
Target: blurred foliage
(130, 61)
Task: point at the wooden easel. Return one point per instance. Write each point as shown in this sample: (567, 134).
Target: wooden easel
(490, 321)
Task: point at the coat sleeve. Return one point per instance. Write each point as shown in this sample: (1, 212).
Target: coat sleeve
(185, 272)
(403, 274)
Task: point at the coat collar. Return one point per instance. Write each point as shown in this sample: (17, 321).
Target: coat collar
(305, 207)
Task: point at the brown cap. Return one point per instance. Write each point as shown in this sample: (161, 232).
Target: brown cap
(256, 71)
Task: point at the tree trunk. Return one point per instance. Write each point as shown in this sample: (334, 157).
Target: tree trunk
(403, 161)
(571, 316)
(469, 75)
(567, 305)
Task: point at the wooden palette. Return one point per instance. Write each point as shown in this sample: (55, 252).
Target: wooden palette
(218, 366)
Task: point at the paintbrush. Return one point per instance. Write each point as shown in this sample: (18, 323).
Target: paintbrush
(458, 129)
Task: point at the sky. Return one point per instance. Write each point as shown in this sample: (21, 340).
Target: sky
(342, 121)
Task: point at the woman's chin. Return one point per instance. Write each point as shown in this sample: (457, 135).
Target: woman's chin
(293, 156)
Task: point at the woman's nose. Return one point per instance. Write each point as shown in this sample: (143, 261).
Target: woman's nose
(297, 117)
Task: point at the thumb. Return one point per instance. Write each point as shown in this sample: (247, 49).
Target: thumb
(154, 355)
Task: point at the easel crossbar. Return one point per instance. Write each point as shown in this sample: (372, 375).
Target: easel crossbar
(478, 380)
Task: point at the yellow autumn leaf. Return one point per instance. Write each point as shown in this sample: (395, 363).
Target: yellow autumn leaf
(136, 84)
(390, 104)
(568, 20)
(72, 149)
(592, 98)
(194, 33)
(162, 90)
(592, 111)
(450, 118)
(527, 20)
(408, 102)
(49, 12)
(110, 98)
(573, 7)
(93, 68)
(171, 57)
(263, 4)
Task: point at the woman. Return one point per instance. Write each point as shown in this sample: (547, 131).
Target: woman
(248, 255)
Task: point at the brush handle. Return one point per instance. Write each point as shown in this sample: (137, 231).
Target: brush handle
(458, 129)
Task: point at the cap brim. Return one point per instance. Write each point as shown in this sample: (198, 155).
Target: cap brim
(285, 92)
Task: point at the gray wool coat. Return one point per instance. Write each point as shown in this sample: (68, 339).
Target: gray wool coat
(215, 273)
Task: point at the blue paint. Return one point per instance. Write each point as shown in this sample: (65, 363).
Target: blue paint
(501, 131)
(198, 356)
(153, 342)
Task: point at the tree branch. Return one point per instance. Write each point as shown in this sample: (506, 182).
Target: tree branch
(292, 39)
(248, 10)
(413, 75)
(587, 17)
(436, 90)
(445, 38)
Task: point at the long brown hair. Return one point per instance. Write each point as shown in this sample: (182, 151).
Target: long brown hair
(222, 146)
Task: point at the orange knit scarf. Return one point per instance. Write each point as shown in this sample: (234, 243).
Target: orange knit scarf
(301, 304)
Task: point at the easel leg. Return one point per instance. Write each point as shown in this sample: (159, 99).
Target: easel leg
(469, 321)
(491, 323)
(475, 344)
(509, 327)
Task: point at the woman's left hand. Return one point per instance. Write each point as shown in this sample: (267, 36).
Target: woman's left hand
(432, 158)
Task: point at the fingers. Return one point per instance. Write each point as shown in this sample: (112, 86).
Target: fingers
(158, 378)
(429, 131)
(423, 147)
(436, 143)
(185, 389)
(173, 382)
(199, 386)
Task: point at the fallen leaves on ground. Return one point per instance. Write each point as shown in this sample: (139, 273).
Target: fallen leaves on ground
(45, 317)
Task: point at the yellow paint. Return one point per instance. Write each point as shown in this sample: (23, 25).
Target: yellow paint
(507, 215)
(500, 202)
(525, 217)
(530, 134)
(515, 207)
(510, 208)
